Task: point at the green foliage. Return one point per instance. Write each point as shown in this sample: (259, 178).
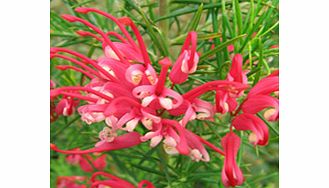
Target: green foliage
(250, 25)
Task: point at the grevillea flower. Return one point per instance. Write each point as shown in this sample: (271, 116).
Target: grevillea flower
(70, 182)
(245, 121)
(257, 103)
(187, 61)
(124, 88)
(226, 101)
(231, 173)
(257, 100)
(66, 106)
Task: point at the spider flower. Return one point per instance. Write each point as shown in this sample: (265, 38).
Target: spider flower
(257, 100)
(187, 61)
(226, 101)
(245, 121)
(231, 173)
(124, 88)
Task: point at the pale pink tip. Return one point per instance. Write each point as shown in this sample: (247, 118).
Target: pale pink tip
(69, 18)
(82, 10)
(52, 55)
(230, 48)
(53, 146)
(61, 67)
(165, 62)
(53, 50)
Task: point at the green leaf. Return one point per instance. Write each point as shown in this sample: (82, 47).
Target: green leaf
(195, 20)
(147, 169)
(186, 10)
(220, 47)
(237, 14)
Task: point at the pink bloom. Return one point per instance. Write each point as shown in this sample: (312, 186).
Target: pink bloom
(265, 86)
(258, 98)
(230, 48)
(236, 73)
(65, 106)
(257, 103)
(225, 101)
(245, 121)
(177, 139)
(187, 61)
(70, 182)
(157, 95)
(197, 109)
(231, 173)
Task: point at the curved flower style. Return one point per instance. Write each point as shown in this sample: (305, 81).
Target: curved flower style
(111, 181)
(125, 91)
(114, 181)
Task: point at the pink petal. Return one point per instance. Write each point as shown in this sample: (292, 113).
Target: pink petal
(178, 99)
(205, 107)
(148, 114)
(143, 91)
(151, 75)
(134, 74)
(259, 102)
(195, 143)
(253, 123)
(176, 75)
(265, 86)
(189, 115)
(231, 173)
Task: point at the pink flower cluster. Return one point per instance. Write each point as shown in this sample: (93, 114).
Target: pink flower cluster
(125, 91)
